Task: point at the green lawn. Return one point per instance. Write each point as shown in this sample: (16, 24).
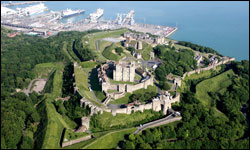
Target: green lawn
(91, 39)
(84, 143)
(70, 135)
(56, 122)
(65, 51)
(82, 83)
(107, 120)
(95, 36)
(203, 74)
(109, 54)
(88, 64)
(44, 70)
(110, 140)
(146, 51)
(81, 79)
(214, 84)
(125, 99)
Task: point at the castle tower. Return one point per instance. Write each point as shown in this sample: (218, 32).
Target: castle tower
(156, 104)
(124, 71)
(152, 55)
(139, 45)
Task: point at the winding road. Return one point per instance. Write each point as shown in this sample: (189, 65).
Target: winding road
(30, 85)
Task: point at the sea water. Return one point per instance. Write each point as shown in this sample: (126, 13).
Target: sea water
(223, 26)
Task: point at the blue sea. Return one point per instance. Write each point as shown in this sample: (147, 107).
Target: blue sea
(221, 25)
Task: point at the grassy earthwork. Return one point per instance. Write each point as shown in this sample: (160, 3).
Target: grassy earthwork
(110, 140)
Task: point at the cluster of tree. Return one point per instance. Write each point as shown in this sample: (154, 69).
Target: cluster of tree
(27, 51)
(199, 48)
(142, 97)
(17, 115)
(131, 49)
(173, 62)
(119, 50)
(83, 52)
(68, 80)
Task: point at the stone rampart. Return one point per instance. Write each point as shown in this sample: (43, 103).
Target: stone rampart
(64, 144)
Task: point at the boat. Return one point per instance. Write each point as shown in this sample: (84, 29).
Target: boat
(94, 16)
(34, 9)
(68, 12)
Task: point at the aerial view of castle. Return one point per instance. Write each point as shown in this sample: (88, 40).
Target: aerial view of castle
(98, 83)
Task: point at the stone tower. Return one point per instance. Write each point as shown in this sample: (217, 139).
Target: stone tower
(139, 45)
(152, 55)
(124, 71)
(156, 104)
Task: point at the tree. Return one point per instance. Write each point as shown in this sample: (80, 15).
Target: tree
(119, 50)
(166, 86)
(128, 145)
(131, 137)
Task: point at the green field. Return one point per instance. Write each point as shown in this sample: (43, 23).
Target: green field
(44, 70)
(217, 83)
(146, 51)
(96, 36)
(70, 135)
(107, 120)
(110, 140)
(82, 83)
(125, 99)
(88, 64)
(92, 38)
(56, 122)
(84, 143)
(203, 74)
(108, 52)
(212, 85)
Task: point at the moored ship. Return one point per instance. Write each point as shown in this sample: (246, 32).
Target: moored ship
(34, 9)
(68, 12)
(94, 16)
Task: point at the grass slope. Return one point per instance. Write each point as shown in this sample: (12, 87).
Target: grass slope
(56, 122)
(212, 85)
(217, 83)
(108, 120)
(110, 140)
(82, 83)
(44, 70)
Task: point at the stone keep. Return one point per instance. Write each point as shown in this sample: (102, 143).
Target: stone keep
(124, 71)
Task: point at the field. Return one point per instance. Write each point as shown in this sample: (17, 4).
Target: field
(44, 70)
(204, 74)
(56, 122)
(214, 84)
(92, 38)
(70, 135)
(146, 51)
(88, 64)
(125, 99)
(107, 120)
(217, 83)
(82, 83)
(110, 140)
(84, 143)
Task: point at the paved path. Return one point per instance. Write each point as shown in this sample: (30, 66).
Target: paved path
(159, 122)
(96, 45)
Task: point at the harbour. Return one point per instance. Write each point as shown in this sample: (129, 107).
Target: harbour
(48, 24)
